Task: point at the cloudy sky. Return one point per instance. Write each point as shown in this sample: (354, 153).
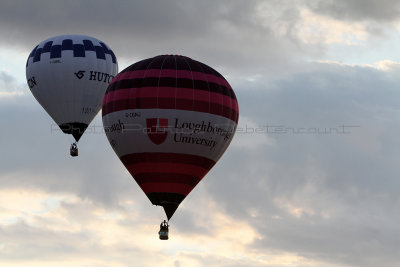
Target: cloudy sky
(310, 179)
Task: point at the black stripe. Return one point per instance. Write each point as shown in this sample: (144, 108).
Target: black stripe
(33, 51)
(75, 128)
(55, 51)
(169, 63)
(66, 44)
(157, 198)
(169, 201)
(79, 50)
(88, 45)
(155, 63)
(140, 65)
(100, 52)
(108, 51)
(38, 53)
(172, 62)
(32, 54)
(47, 47)
(157, 177)
(113, 57)
(105, 48)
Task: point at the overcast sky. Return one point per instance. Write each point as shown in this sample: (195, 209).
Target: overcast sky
(310, 179)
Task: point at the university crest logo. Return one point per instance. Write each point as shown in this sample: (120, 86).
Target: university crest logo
(157, 129)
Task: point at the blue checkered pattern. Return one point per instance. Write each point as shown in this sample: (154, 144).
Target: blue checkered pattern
(79, 50)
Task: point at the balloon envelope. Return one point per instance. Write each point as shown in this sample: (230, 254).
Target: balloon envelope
(169, 119)
(68, 75)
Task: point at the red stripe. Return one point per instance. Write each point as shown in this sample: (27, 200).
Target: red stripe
(170, 92)
(186, 74)
(159, 157)
(166, 103)
(166, 188)
(146, 167)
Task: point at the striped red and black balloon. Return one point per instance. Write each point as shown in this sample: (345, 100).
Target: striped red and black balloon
(169, 119)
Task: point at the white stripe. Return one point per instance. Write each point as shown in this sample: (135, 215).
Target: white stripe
(134, 138)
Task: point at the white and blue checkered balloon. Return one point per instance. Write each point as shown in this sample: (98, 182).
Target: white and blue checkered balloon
(68, 75)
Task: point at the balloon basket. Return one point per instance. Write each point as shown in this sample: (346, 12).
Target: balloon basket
(73, 150)
(163, 235)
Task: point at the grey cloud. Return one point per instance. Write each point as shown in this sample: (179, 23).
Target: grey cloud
(37, 149)
(22, 242)
(238, 35)
(26, 243)
(241, 39)
(9, 83)
(343, 185)
(127, 22)
(358, 10)
(215, 260)
(188, 223)
(6, 78)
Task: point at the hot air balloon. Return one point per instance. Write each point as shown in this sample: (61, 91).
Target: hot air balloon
(68, 75)
(169, 119)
